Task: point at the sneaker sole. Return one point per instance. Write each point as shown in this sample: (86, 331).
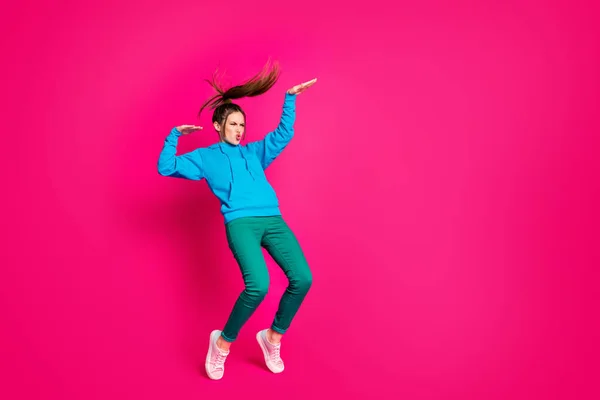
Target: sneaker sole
(266, 354)
(208, 357)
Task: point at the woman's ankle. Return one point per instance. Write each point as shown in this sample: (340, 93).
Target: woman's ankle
(223, 344)
(273, 337)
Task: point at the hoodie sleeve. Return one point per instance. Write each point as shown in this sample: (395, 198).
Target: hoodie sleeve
(274, 142)
(187, 166)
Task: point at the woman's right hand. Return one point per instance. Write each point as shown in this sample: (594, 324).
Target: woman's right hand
(186, 129)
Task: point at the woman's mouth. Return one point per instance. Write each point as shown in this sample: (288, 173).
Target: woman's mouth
(238, 137)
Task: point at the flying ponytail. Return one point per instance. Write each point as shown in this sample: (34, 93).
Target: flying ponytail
(255, 86)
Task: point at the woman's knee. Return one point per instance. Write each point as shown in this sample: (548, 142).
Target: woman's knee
(302, 282)
(257, 290)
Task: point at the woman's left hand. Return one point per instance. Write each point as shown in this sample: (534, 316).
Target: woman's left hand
(302, 87)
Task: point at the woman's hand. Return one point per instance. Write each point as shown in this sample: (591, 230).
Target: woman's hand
(302, 87)
(186, 129)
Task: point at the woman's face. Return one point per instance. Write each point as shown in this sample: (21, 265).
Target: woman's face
(234, 128)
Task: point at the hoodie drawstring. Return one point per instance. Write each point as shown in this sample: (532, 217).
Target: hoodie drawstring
(247, 166)
(231, 168)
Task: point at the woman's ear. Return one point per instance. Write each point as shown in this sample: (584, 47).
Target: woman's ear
(217, 127)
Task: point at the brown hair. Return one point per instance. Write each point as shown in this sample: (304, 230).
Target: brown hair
(255, 86)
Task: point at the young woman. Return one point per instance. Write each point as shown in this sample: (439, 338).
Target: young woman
(249, 205)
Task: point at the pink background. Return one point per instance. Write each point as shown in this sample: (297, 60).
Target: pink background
(443, 183)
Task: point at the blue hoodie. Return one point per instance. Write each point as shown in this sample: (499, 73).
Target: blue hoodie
(234, 173)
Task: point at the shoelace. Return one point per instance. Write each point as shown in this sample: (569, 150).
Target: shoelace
(275, 357)
(220, 360)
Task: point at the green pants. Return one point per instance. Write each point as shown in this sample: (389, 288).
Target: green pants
(246, 236)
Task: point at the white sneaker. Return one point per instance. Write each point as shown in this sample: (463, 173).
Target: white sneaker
(271, 352)
(215, 358)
